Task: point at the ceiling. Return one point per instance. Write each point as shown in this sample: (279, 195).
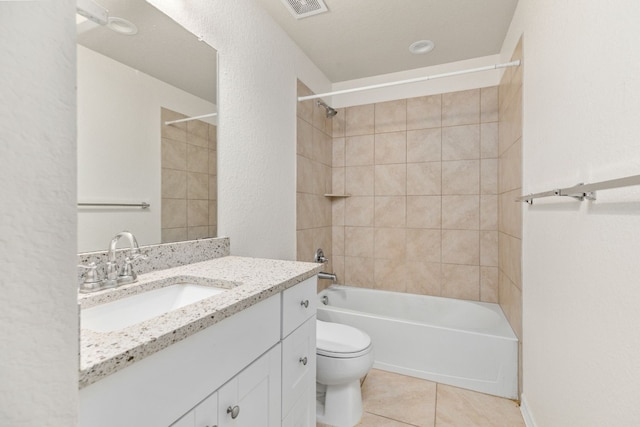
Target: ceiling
(162, 48)
(363, 38)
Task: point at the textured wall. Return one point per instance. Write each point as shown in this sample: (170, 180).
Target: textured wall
(580, 268)
(38, 307)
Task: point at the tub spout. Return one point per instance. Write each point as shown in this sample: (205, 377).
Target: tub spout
(328, 276)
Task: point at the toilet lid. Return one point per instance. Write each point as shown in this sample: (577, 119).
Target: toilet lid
(338, 340)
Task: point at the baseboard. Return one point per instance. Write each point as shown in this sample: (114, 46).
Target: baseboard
(524, 409)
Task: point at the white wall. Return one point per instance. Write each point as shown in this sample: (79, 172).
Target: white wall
(580, 260)
(38, 307)
(257, 69)
(119, 150)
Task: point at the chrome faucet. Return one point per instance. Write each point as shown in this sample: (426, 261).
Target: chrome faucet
(321, 259)
(125, 274)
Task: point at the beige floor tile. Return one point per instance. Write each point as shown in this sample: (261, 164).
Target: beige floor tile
(398, 397)
(371, 420)
(457, 407)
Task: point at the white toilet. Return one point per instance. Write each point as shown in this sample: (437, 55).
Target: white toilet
(344, 355)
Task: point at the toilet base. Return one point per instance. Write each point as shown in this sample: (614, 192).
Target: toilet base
(342, 405)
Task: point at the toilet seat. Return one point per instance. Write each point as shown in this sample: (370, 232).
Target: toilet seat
(340, 341)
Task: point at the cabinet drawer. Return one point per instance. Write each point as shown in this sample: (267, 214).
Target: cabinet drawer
(299, 365)
(298, 304)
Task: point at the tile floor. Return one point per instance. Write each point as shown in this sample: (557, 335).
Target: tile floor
(393, 400)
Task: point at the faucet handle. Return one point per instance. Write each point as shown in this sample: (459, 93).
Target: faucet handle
(92, 280)
(319, 257)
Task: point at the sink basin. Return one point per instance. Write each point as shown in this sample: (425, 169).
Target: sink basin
(128, 311)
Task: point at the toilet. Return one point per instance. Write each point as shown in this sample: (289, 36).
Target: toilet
(344, 355)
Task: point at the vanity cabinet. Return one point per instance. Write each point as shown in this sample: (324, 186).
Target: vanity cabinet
(260, 360)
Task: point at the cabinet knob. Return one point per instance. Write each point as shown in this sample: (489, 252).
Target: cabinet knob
(303, 360)
(235, 411)
(305, 303)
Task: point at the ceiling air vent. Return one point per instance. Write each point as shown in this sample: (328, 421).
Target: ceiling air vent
(304, 8)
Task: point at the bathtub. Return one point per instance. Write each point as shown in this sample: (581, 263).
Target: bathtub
(465, 344)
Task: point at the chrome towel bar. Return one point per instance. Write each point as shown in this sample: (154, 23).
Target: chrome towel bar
(583, 191)
(143, 205)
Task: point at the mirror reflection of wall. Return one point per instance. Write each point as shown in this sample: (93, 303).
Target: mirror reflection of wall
(124, 82)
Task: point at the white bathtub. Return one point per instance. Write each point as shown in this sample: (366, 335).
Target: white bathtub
(461, 343)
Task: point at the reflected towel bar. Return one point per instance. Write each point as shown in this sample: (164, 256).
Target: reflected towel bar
(583, 191)
(188, 119)
(143, 205)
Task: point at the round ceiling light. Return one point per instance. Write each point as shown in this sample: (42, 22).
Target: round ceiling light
(122, 26)
(421, 47)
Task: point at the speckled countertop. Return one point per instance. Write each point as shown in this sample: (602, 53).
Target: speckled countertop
(248, 280)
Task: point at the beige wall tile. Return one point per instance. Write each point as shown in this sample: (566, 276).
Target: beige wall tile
(170, 235)
(489, 140)
(424, 245)
(358, 271)
(489, 284)
(213, 187)
(338, 125)
(304, 174)
(338, 183)
(390, 147)
(461, 177)
(338, 152)
(201, 232)
(304, 211)
(360, 120)
(213, 213)
(359, 150)
(461, 247)
(390, 211)
(391, 116)
(337, 240)
(304, 244)
(213, 137)
(197, 159)
(461, 212)
(213, 162)
(174, 184)
(197, 186)
(198, 133)
(197, 213)
(390, 275)
(489, 176)
(358, 241)
(391, 180)
(389, 243)
(338, 207)
(488, 212)
(321, 147)
(305, 108)
(461, 108)
(424, 278)
(424, 212)
(461, 281)
(489, 104)
(424, 112)
(461, 142)
(424, 145)
(424, 179)
(510, 174)
(337, 263)
(174, 154)
(359, 180)
(304, 138)
(489, 248)
(174, 213)
(510, 215)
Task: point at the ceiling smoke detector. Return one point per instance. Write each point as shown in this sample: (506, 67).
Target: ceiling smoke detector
(305, 8)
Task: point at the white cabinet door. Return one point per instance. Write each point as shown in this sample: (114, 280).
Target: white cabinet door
(187, 420)
(206, 413)
(303, 413)
(252, 398)
(299, 366)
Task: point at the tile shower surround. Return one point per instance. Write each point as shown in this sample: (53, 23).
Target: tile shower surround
(423, 178)
(189, 179)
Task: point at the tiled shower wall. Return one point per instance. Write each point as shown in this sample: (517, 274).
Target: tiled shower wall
(510, 187)
(313, 208)
(422, 175)
(189, 184)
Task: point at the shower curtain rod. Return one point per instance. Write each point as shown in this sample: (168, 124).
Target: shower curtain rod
(188, 119)
(414, 80)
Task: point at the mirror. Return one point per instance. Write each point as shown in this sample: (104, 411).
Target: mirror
(130, 81)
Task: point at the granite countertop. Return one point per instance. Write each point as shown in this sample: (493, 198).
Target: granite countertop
(248, 280)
